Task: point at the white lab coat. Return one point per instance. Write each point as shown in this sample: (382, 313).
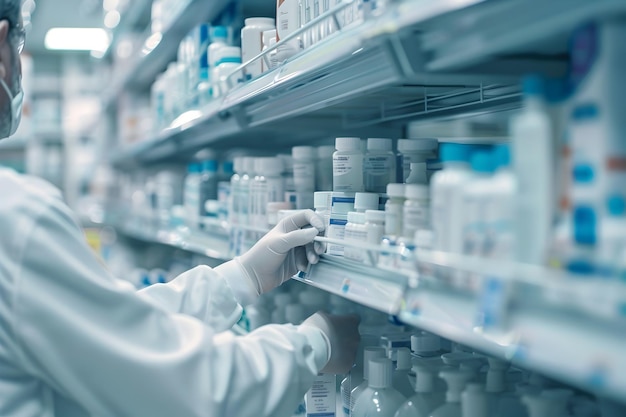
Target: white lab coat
(75, 341)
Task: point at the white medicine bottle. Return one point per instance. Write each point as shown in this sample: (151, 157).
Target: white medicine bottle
(379, 398)
(222, 77)
(394, 208)
(348, 165)
(379, 165)
(252, 43)
(219, 39)
(416, 213)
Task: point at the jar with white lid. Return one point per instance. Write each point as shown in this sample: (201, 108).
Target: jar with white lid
(416, 212)
(252, 43)
(348, 165)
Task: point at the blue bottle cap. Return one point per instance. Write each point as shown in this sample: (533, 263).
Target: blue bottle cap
(219, 32)
(533, 85)
(228, 167)
(482, 161)
(455, 152)
(194, 168)
(209, 165)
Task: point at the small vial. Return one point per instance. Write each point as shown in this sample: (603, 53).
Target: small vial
(379, 165)
(394, 209)
(252, 43)
(322, 202)
(416, 212)
(348, 165)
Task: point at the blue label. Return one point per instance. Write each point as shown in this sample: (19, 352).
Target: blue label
(580, 267)
(338, 222)
(349, 200)
(585, 223)
(583, 174)
(616, 205)
(587, 111)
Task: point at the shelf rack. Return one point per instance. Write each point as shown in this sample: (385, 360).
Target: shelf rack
(423, 59)
(362, 80)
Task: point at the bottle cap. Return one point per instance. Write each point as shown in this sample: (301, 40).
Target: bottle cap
(455, 152)
(219, 32)
(348, 144)
(395, 190)
(267, 35)
(403, 358)
(482, 161)
(209, 166)
(356, 217)
(260, 21)
(371, 352)
(417, 191)
(324, 152)
(366, 201)
(238, 164)
(322, 200)
(268, 165)
(425, 343)
(304, 152)
(417, 145)
(194, 168)
(380, 373)
(374, 216)
(379, 144)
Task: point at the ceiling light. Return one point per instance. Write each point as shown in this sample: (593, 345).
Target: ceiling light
(112, 19)
(77, 39)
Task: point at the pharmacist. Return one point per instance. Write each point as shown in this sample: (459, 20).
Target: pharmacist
(75, 341)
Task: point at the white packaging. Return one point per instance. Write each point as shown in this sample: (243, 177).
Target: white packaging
(366, 201)
(379, 165)
(394, 209)
(416, 211)
(322, 202)
(336, 230)
(500, 211)
(342, 203)
(374, 226)
(447, 197)
(532, 151)
(219, 39)
(268, 187)
(252, 43)
(324, 168)
(321, 399)
(222, 76)
(477, 197)
(379, 398)
(355, 232)
(304, 160)
(369, 353)
(287, 22)
(415, 150)
(348, 165)
(267, 37)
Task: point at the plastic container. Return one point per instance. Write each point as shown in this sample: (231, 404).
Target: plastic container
(477, 196)
(366, 201)
(219, 39)
(269, 40)
(415, 150)
(394, 209)
(379, 165)
(447, 197)
(322, 201)
(287, 22)
(374, 226)
(400, 380)
(369, 354)
(416, 211)
(355, 232)
(268, 187)
(336, 230)
(191, 197)
(348, 165)
(456, 381)
(379, 398)
(324, 168)
(419, 173)
(252, 43)
(228, 60)
(426, 397)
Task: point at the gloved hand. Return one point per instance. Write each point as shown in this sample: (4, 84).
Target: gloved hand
(283, 251)
(342, 333)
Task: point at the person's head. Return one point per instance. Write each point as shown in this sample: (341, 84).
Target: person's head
(11, 44)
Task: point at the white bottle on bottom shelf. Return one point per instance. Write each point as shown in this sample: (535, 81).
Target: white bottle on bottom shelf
(379, 398)
(401, 373)
(426, 397)
(474, 401)
(456, 379)
(369, 354)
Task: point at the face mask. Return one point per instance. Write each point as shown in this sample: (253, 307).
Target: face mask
(16, 110)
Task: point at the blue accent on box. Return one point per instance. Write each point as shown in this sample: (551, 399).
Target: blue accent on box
(583, 173)
(585, 223)
(588, 111)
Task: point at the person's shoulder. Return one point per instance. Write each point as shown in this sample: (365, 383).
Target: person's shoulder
(24, 192)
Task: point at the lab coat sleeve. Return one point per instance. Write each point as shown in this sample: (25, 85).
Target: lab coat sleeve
(95, 340)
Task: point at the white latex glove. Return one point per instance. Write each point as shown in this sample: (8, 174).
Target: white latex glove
(342, 334)
(283, 251)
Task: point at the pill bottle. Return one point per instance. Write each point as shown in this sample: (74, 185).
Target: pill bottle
(379, 165)
(252, 43)
(348, 165)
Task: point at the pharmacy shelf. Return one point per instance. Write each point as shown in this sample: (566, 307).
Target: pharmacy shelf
(533, 318)
(364, 80)
(210, 243)
(513, 35)
(160, 48)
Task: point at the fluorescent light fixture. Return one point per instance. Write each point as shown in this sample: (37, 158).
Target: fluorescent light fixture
(77, 39)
